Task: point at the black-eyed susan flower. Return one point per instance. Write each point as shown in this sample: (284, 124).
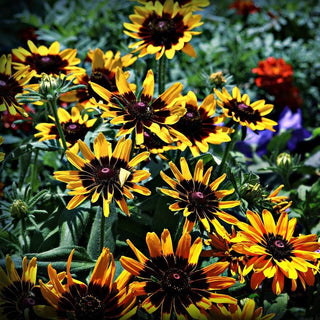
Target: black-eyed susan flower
(234, 312)
(280, 203)
(241, 110)
(221, 247)
(102, 298)
(274, 252)
(162, 29)
(200, 126)
(171, 281)
(74, 126)
(46, 60)
(199, 199)
(104, 172)
(11, 84)
(20, 296)
(193, 5)
(103, 72)
(136, 114)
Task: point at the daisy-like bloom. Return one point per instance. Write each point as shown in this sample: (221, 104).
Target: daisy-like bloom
(11, 84)
(102, 298)
(103, 72)
(136, 114)
(221, 247)
(162, 29)
(241, 110)
(104, 172)
(273, 75)
(193, 5)
(50, 60)
(280, 203)
(172, 281)
(199, 125)
(275, 253)
(20, 296)
(199, 199)
(234, 312)
(74, 126)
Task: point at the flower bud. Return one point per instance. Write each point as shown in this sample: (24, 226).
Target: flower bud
(18, 209)
(217, 79)
(284, 160)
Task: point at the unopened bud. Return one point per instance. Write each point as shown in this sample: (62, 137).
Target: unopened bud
(284, 160)
(18, 209)
(217, 79)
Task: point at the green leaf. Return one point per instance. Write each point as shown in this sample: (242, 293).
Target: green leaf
(102, 230)
(279, 306)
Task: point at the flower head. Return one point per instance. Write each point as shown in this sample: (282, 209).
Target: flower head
(135, 113)
(221, 247)
(74, 126)
(102, 298)
(11, 84)
(50, 60)
(244, 7)
(234, 312)
(162, 29)
(241, 110)
(172, 281)
(103, 72)
(199, 199)
(20, 296)
(273, 75)
(193, 5)
(199, 125)
(104, 172)
(274, 252)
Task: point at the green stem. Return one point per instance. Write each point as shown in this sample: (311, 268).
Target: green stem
(53, 107)
(178, 232)
(102, 224)
(34, 171)
(23, 235)
(162, 74)
(227, 150)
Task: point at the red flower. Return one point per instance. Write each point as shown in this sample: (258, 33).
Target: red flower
(244, 7)
(9, 120)
(274, 75)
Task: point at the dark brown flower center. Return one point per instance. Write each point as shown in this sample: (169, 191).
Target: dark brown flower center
(9, 87)
(89, 308)
(279, 247)
(73, 131)
(197, 198)
(243, 111)
(49, 64)
(175, 281)
(191, 122)
(140, 110)
(162, 30)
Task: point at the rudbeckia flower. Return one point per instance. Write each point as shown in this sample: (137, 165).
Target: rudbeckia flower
(193, 5)
(50, 60)
(234, 312)
(241, 110)
(104, 172)
(11, 84)
(280, 203)
(74, 126)
(103, 72)
(221, 247)
(199, 125)
(20, 296)
(102, 298)
(274, 252)
(136, 114)
(162, 29)
(199, 199)
(171, 281)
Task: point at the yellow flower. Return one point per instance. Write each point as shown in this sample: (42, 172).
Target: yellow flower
(241, 110)
(162, 29)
